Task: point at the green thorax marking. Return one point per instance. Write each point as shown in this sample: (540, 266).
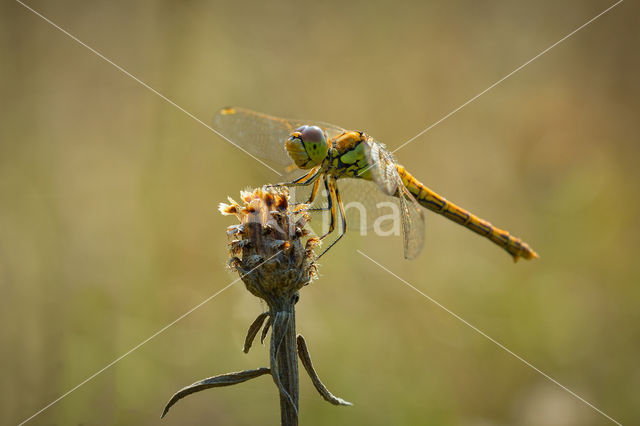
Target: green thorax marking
(346, 157)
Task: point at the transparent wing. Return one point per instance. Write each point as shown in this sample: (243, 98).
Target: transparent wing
(368, 209)
(363, 201)
(366, 205)
(263, 135)
(382, 167)
(413, 223)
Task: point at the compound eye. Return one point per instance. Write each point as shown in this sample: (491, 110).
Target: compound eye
(301, 128)
(312, 134)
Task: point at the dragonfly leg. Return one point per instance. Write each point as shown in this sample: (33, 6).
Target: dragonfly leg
(331, 195)
(303, 180)
(314, 191)
(343, 217)
(315, 209)
(307, 179)
(312, 197)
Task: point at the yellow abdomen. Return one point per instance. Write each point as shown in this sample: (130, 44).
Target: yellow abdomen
(434, 202)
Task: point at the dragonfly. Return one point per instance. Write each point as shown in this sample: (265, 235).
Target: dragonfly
(331, 156)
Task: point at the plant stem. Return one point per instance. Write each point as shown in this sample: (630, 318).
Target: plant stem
(287, 365)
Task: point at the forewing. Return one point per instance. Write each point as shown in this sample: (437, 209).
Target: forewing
(263, 135)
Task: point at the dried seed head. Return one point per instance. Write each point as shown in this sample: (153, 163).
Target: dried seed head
(266, 248)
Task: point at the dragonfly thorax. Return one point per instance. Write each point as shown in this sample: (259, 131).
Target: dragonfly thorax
(307, 146)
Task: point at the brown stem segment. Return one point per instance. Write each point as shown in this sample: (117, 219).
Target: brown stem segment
(284, 363)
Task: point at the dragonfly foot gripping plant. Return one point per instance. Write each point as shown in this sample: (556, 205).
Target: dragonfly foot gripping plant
(268, 252)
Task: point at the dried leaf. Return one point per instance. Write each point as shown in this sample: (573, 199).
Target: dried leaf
(253, 331)
(214, 382)
(265, 330)
(305, 358)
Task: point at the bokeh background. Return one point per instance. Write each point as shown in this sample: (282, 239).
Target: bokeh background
(109, 227)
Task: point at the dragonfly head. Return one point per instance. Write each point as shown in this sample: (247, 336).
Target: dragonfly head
(307, 146)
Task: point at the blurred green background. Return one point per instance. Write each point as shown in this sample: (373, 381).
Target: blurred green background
(109, 227)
